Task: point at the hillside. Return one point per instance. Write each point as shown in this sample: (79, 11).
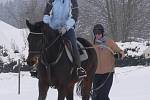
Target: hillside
(12, 39)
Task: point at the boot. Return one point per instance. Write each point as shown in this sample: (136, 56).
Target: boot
(81, 73)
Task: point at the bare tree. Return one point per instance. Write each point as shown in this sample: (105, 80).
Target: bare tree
(120, 18)
(125, 18)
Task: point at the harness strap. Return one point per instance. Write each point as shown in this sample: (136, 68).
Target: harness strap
(58, 58)
(36, 33)
(53, 41)
(34, 51)
(106, 48)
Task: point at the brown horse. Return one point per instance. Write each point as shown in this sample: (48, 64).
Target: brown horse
(47, 52)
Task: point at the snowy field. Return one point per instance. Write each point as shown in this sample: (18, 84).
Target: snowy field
(130, 83)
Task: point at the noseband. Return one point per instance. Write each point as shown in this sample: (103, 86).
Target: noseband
(35, 51)
(49, 46)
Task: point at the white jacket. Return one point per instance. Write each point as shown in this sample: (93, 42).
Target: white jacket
(60, 15)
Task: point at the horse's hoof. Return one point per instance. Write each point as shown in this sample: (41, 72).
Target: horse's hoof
(33, 74)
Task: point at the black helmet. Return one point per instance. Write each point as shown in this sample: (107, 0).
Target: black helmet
(98, 29)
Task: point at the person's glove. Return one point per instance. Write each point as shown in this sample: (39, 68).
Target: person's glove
(46, 19)
(117, 55)
(70, 23)
(63, 30)
(122, 55)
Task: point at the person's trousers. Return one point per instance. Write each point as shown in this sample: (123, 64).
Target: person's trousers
(70, 35)
(102, 84)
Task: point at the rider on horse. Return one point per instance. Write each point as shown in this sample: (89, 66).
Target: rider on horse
(62, 15)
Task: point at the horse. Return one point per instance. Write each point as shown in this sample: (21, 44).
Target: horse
(54, 68)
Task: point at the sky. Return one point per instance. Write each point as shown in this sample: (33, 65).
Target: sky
(4, 1)
(130, 83)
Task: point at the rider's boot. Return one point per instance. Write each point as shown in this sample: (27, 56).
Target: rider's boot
(81, 73)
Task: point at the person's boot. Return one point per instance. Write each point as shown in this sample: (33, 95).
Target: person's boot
(81, 73)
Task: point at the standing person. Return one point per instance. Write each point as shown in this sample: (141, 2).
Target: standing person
(105, 48)
(62, 15)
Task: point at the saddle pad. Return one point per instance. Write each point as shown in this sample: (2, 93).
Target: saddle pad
(83, 53)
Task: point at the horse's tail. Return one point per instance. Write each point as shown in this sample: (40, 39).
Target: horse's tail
(90, 69)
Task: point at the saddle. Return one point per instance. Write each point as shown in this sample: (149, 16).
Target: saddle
(69, 50)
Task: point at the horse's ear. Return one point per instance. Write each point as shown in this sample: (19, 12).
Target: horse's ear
(28, 23)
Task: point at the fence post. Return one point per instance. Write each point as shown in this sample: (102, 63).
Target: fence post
(19, 67)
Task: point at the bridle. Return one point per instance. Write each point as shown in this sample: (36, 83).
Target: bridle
(41, 53)
(35, 51)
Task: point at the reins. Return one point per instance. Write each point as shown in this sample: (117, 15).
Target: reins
(53, 42)
(93, 90)
(34, 51)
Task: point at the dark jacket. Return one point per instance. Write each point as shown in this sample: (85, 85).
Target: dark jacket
(74, 12)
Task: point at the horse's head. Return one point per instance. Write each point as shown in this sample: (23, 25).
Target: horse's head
(36, 27)
(40, 32)
(35, 41)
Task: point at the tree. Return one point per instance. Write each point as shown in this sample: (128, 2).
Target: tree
(126, 18)
(120, 18)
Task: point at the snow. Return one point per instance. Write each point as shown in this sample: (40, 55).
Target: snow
(138, 46)
(11, 35)
(13, 39)
(130, 83)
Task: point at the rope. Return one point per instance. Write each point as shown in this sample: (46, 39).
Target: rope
(53, 41)
(99, 87)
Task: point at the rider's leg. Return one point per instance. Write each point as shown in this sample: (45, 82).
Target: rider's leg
(70, 35)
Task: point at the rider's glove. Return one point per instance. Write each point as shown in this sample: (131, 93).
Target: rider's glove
(70, 23)
(46, 19)
(63, 30)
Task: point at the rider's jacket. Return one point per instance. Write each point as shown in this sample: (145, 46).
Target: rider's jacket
(61, 13)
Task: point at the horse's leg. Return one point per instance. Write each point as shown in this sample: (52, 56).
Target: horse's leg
(43, 88)
(65, 92)
(43, 82)
(86, 89)
(61, 94)
(69, 94)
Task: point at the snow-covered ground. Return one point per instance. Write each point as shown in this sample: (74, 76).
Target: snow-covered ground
(130, 83)
(13, 39)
